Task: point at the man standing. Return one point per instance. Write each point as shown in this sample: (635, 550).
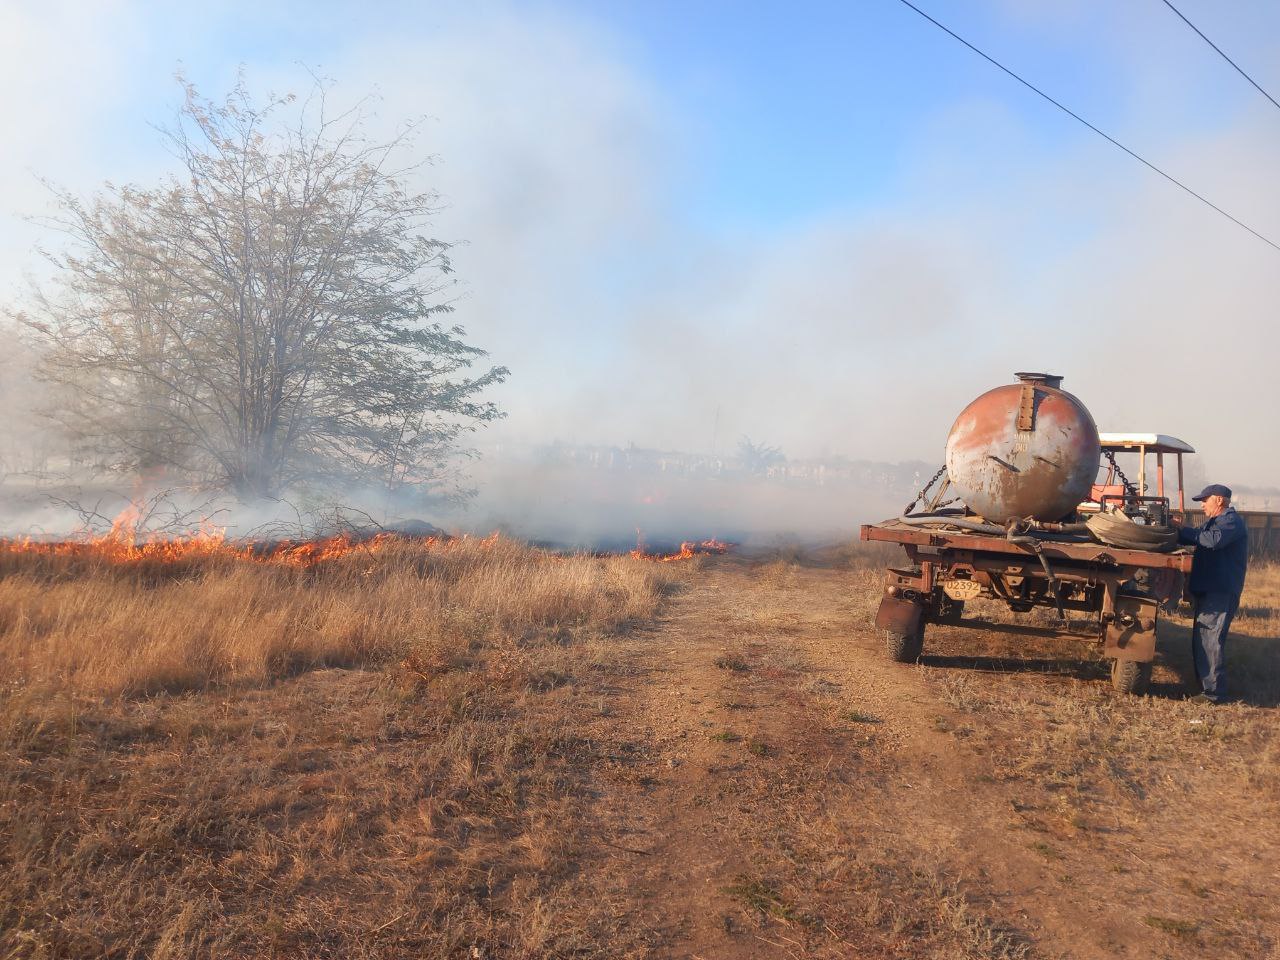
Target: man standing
(1217, 579)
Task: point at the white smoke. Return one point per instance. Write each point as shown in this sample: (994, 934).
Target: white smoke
(564, 162)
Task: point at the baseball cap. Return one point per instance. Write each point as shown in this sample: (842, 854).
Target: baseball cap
(1214, 490)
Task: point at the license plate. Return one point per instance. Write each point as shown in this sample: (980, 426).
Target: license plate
(962, 589)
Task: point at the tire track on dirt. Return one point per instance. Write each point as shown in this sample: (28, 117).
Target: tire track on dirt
(758, 818)
(788, 792)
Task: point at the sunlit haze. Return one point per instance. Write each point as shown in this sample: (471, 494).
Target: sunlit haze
(823, 226)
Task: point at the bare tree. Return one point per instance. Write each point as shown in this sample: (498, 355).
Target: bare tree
(271, 316)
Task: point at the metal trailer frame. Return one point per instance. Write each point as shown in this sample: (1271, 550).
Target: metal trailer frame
(1119, 590)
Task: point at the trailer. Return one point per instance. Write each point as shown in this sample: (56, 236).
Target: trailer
(1047, 518)
(1112, 596)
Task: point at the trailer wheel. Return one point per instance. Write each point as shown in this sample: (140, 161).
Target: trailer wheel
(903, 648)
(1130, 676)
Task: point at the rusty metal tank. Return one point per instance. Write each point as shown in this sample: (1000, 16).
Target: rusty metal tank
(1028, 449)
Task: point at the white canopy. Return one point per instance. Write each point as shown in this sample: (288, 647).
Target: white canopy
(1154, 442)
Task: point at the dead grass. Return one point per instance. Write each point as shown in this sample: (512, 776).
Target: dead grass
(818, 882)
(1173, 927)
(839, 889)
(180, 777)
(405, 765)
(1099, 774)
(1106, 797)
(1254, 650)
(761, 896)
(1082, 734)
(110, 629)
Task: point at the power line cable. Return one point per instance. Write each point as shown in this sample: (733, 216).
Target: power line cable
(1220, 53)
(1110, 139)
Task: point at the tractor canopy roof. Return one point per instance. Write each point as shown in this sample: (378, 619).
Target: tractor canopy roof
(1153, 442)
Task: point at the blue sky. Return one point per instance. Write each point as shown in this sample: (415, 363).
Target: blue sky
(827, 221)
(817, 108)
(786, 111)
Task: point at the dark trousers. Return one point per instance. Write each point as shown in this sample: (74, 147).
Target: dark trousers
(1213, 615)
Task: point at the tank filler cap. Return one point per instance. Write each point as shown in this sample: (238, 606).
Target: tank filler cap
(1050, 380)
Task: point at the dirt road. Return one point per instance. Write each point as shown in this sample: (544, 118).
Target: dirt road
(777, 788)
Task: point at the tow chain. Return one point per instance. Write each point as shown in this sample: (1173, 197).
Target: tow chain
(924, 490)
(1129, 488)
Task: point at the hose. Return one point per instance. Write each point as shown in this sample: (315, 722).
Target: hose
(1109, 528)
(1040, 526)
(1061, 532)
(925, 520)
(1116, 530)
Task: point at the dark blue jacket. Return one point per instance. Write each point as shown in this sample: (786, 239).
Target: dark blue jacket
(1222, 553)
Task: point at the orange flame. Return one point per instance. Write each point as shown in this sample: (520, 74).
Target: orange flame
(688, 549)
(114, 549)
(124, 544)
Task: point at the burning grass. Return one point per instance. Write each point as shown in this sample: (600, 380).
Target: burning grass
(121, 547)
(181, 776)
(688, 550)
(130, 621)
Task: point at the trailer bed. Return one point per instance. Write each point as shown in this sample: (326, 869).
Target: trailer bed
(891, 531)
(1118, 591)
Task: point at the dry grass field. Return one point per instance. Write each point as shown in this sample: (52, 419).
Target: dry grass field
(219, 757)
(474, 749)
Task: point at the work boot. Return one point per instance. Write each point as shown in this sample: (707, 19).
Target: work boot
(1203, 698)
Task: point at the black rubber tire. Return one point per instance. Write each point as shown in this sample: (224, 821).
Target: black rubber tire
(904, 649)
(1130, 676)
